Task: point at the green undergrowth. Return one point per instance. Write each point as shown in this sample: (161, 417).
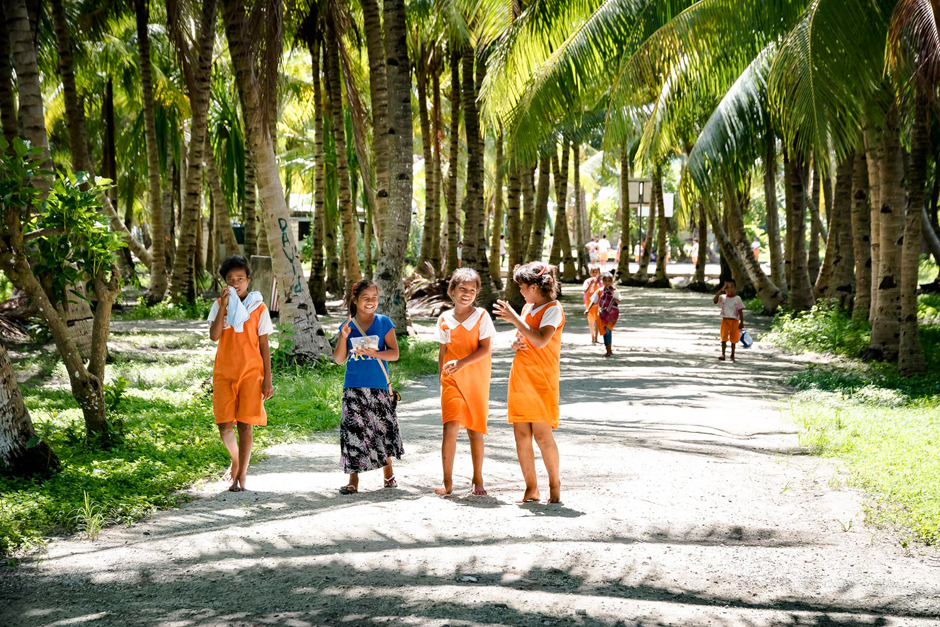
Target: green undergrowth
(884, 427)
(166, 439)
(165, 310)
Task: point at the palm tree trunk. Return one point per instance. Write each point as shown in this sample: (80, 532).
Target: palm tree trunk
(874, 150)
(814, 231)
(427, 234)
(910, 354)
(886, 327)
(626, 171)
(182, 280)
(729, 253)
(770, 295)
(835, 276)
(379, 95)
(212, 243)
(251, 203)
(702, 257)
(397, 220)
(515, 250)
(580, 229)
(562, 239)
(223, 219)
(75, 121)
(497, 214)
(296, 307)
(528, 208)
(642, 274)
(662, 251)
(31, 124)
(540, 217)
(801, 292)
(437, 255)
(20, 455)
(7, 93)
(368, 261)
(347, 206)
(777, 272)
(453, 211)
(861, 237)
(317, 281)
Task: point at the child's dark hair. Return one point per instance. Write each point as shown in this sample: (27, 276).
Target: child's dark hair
(731, 281)
(463, 275)
(234, 262)
(357, 290)
(541, 275)
(607, 275)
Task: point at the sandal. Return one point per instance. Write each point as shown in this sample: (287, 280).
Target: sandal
(348, 489)
(390, 482)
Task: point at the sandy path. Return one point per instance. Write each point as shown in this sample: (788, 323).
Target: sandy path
(687, 501)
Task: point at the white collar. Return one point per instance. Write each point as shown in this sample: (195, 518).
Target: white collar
(468, 324)
(535, 310)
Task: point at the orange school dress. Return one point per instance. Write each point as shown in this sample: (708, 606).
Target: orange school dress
(465, 395)
(592, 286)
(238, 374)
(534, 378)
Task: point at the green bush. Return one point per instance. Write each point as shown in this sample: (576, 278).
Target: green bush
(196, 310)
(823, 329)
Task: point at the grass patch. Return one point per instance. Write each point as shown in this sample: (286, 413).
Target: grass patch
(886, 428)
(823, 329)
(169, 438)
(165, 310)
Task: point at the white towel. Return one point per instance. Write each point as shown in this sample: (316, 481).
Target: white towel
(239, 312)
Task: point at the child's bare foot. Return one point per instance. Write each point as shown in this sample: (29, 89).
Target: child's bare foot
(478, 489)
(732, 359)
(231, 473)
(235, 487)
(554, 493)
(530, 496)
(444, 490)
(722, 358)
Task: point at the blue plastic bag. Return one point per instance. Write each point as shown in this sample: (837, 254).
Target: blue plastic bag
(746, 340)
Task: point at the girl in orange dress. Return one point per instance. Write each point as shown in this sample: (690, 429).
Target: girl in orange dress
(612, 299)
(464, 358)
(534, 378)
(241, 376)
(591, 285)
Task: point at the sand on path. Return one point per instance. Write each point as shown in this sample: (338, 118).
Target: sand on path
(687, 500)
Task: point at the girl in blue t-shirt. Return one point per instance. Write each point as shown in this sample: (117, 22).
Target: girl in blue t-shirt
(368, 431)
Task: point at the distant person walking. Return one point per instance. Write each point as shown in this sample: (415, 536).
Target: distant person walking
(591, 285)
(732, 316)
(603, 251)
(606, 301)
(755, 247)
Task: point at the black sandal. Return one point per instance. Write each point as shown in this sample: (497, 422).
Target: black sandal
(348, 489)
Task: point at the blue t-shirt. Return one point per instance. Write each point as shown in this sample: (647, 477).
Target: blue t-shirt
(365, 372)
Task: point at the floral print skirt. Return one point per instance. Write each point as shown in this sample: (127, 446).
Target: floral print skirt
(368, 430)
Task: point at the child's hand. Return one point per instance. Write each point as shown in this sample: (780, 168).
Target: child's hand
(346, 329)
(504, 311)
(519, 345)
(226, 295)
(453, 366)
(267, 389)
(363, 351)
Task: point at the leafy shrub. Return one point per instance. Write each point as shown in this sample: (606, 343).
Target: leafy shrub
(824, 329)
(165, 310)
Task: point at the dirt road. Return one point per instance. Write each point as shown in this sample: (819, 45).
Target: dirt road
(687, 500)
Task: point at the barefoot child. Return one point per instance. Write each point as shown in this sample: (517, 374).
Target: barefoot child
(368, 430)
(591, 285)
(241, 376)
(732, 316)
(464, 358)
(534, 378)
(604, 302)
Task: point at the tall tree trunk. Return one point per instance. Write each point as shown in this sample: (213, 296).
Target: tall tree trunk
(801, 291)
(861, 237)
(7, 93)
(347, 204)
(437, 256)
(397, 220)
(580, 230)
(75, 121)
(368, 261)
(427, 233)
(642, 275)
(540, 217)
(777, 272)
(702, 258)
(835, 276)
(223, 219)
(528, 208)
(453, 211)
(886, 327)
(296, 307)
(770, 295)
(662, 250)
(815, 232)
(20, 455)
(109, 169)
(212, 243)
(874, 151)
(31, 123)
(729, 253)
(317, 281)
(379, 97)
(497, 214)
(910, 354)
(626, 171)
(182, 280)
(562, 238)
(514, 223)
(251, 206)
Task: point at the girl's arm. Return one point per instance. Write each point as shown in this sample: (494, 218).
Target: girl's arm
(390, 353)
(480, 353)
(340, 353)
(536, 337)
(267, 387)
(215, 329)
(440, 357)
(741, 318)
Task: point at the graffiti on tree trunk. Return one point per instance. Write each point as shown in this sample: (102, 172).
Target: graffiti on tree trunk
(296, 285)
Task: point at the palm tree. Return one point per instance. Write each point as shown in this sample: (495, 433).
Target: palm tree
(158, 271)
(453, 215)
(540, 214)
(379, 97)
(626, 172)
(861, 238)
(296, 307)
(497, 231)
(22, 453)
(7, 95)
(561, 242)
(836, 276)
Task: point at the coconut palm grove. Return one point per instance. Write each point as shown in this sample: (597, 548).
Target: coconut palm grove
(469, 312)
